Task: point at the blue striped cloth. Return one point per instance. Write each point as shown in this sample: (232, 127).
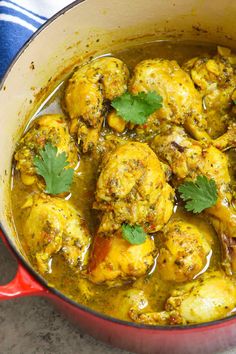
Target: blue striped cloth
(19, 19)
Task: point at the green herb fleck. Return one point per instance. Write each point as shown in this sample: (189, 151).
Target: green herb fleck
(133, 234)
(51, 166)
(199, 195)
(137, 108)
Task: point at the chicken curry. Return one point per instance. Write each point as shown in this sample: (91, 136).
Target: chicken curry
(123, 185)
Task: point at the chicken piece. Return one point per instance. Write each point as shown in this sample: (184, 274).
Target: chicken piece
(181, 101)
(52, 226)
(116, 122)
(228, 139)
(87, 93)
(180, 151)
(132, 189)
(47, 128)
(216, 80)
(189, 158)
(126, 301)
(210, 297)
(114, 260)
(183, 253)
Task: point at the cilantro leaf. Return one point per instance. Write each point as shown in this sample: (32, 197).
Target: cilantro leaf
(199, 195)
(51, 166)
(137, 108)
(133, 234)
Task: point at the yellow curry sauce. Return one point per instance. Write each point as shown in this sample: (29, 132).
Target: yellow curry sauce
(118, 301)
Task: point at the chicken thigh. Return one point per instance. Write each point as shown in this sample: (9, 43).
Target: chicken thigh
(182, 102)
(215, 79)
(183, 252)
(87, 93)
(132, 189)
(114, 260)
(51, 128)
(53, 226)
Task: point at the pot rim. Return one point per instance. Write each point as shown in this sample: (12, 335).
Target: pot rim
(42, 281)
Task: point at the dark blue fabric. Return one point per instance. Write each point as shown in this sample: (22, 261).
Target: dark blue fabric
(13, 12)
(12, 38)
(13, 35)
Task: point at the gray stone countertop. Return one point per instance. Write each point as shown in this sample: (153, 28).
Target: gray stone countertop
(31, 326)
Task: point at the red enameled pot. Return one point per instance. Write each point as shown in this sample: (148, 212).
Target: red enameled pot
(83, 29)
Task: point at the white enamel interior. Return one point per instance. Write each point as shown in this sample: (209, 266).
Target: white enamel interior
(113, 22)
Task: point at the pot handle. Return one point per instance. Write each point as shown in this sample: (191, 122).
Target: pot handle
(23, 283)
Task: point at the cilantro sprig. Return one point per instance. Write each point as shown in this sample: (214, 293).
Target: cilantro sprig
(133, 234)
(51, 166)
(198, 195)
(137, 108)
